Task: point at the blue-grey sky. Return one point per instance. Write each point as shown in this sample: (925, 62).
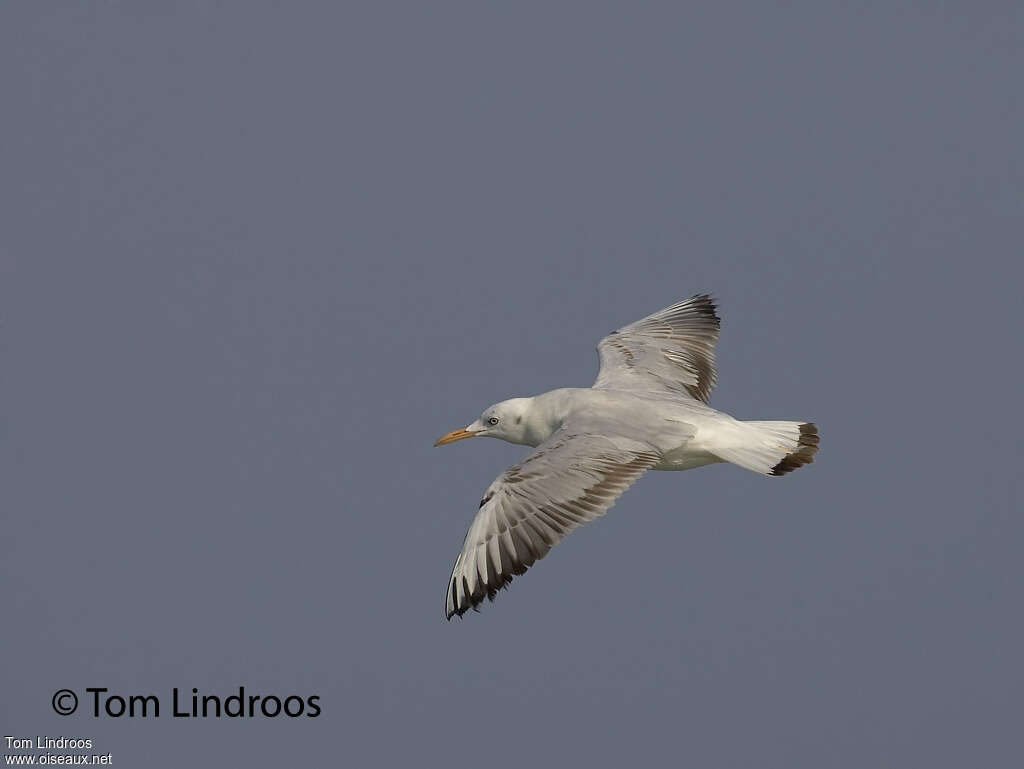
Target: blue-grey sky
(255, 258)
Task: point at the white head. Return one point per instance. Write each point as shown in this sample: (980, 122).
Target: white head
(506, 420)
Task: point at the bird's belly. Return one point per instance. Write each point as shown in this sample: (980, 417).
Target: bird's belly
(685, 458)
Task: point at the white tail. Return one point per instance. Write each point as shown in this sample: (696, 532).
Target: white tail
(772, 448)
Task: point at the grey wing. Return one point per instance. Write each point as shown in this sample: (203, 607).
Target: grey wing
(672, 350)
(568, 480)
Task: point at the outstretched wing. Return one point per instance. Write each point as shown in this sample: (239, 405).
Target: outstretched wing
(567, 480)
(672, 350)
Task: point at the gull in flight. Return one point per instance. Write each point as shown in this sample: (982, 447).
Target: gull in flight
(647, 410)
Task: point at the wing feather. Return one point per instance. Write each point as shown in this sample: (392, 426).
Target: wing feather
(568, 480)
(672, 350)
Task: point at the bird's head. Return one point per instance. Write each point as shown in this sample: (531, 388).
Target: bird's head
(505, 420)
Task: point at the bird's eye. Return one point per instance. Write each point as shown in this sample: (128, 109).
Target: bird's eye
(492, 421)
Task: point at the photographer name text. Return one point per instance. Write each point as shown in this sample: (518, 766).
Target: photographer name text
(100, 702)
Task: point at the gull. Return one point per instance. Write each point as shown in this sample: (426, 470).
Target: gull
(647, 410)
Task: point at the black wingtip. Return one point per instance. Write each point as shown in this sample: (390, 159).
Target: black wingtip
(708, 303)
(474, 600)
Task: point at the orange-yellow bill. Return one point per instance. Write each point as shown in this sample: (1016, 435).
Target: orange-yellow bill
(454, 435)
